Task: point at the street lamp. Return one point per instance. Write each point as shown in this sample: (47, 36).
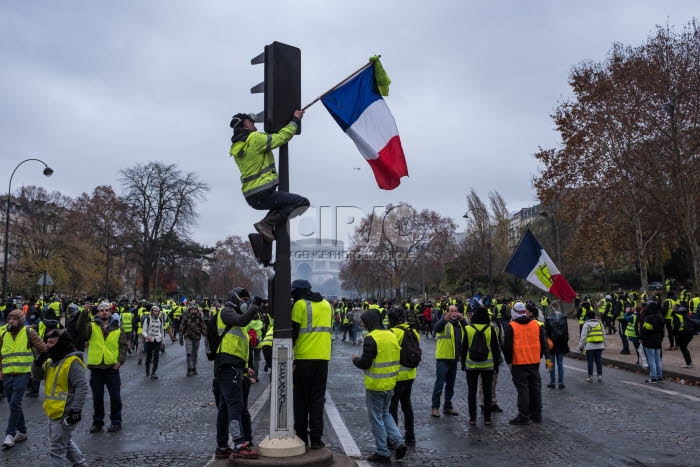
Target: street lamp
(670, 106)
(466, 216)
(48, 171)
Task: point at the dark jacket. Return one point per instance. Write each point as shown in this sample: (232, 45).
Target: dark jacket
(508, 340)
(561, 345)
(652, 338)
(370, 318)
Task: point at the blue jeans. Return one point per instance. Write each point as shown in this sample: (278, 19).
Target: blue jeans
(98, 380)
(654, 360)
(445, 375)
(15, 385)
(383, 424)
(281, 204)
(597, 356)
(558, 362)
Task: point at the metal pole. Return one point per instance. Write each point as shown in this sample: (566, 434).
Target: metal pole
(107, 269)
(48, 172)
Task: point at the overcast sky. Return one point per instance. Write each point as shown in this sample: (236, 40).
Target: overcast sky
(92, 87)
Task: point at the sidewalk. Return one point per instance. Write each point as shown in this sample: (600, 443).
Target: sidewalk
(671, 359)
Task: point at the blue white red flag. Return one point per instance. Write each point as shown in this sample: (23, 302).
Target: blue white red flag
(362, 114)
(533, 264)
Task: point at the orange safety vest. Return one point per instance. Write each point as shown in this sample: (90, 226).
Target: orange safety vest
(526, 343)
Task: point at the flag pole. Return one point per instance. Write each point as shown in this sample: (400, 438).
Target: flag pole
(498, 282)
(370, 62)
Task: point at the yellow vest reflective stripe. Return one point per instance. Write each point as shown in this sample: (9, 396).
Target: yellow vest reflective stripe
(234, 342)
(405, 373)
(42, 329)
(595, 333)
(446, 342)
(267, 341)
(471, 332)
(56, 386)
(128, 321)
(629, 330)
(16, 355)
(314, 319)
(381, 376)
(103, 350)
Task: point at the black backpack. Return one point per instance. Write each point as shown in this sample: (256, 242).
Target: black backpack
(479, 348)
(411, 354)
(558, 329)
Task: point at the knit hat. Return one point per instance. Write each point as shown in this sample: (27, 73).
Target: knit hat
(518, 310)
(17, 314)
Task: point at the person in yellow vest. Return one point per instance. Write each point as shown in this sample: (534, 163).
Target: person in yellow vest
(311, 334)
(65, 391)
(667, 310)
(176, 315)
(16, 344)
(592, 341)
(404, 381)
(142, 313)
(480, 366)
(127, 322)
(380, 362)
(256, 325)
(449, 331)
(267, 345)
(106, 354)
(684, 330)
(524, 344)
(544, 304)
(252, 152)
(230, 363)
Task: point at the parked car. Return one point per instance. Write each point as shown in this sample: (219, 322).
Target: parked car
(655, 286)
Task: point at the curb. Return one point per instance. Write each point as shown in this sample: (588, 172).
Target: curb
(636, 368)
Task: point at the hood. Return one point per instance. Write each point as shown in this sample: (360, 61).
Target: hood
(371, 320)
(240, 136)
(113, 323)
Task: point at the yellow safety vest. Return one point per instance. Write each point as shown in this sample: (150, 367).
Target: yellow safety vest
(267, 341)
(629, 330)
(381, 376)
(17, 357)
(405, 373)
(257, 326)
(595, 333)
(56, 386)
(314, 319)
(446, 342)
(103, 350)
(471, 332)
(127, 321)
(234, 342)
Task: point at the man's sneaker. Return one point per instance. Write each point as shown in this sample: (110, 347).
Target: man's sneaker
(401, 451)
(651, 381)
(624, 352)
(600, 379)
(659, 380)
(551, 386)
(96, 428)
(114, 428)
(379, 459)
(154, 375)
(223, 453)
(589, 379)
(19, 437)
(315, 444)
(519, 421)
(9, 441)
(243, 451)
(450, 411)
(487, 421)
(265, 230)
(472, 421)
(496, 408)
(434, 413)
(689, 365)
(561, 386)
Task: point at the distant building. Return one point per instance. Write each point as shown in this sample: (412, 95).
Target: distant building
(318, 261)
(518, 222)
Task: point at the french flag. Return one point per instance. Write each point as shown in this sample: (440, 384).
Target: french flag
(363, 115)
(533, 264)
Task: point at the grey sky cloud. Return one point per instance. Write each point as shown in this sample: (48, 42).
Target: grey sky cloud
(95, 87)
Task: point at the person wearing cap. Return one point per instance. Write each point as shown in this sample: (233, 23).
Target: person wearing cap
(524, 343)
(192, 329)
(106, 354)
(65, 391)
(154, 334)
(16, 345)
(449, 332)
(404, 380)
(380, 361)
(311, 335)
(252, 152)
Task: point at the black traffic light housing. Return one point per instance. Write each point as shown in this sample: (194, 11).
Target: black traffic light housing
(282, 85)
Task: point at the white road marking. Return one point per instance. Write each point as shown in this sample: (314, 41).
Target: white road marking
(575, 369)
(346, 440)
(665, 391)
(262, 399)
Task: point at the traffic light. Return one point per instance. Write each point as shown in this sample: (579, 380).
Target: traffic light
(282, 85)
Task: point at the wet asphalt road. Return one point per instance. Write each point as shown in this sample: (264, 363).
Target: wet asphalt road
(171, 421)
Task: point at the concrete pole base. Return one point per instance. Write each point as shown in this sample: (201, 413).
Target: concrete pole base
(281, 447)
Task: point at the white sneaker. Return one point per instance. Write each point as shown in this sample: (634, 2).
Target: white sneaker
(589, 379)
(19, 437)
(9, 441)
(600, 379)
(687, 366)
